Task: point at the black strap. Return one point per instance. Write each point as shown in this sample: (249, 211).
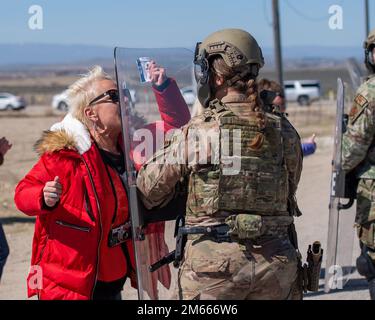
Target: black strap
(218, 106)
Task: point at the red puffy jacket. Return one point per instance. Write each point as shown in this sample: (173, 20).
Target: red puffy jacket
(70, 251)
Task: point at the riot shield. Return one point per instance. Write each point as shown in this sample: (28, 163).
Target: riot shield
(148, 114)
(339, 262)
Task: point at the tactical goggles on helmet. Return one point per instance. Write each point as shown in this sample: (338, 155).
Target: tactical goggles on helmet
(371, 54)
(201, 65)
(112, 94)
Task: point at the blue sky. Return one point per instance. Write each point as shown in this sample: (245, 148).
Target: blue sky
(176, 23)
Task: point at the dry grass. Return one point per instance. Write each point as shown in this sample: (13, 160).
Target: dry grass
(22, 130)
(36, 90)
(319, 118)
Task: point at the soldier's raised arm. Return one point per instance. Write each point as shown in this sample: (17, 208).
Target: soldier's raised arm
(294, 160)
(157, 179)
(361, 129)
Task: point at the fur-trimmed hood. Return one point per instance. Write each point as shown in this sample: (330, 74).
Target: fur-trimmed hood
(69, 134)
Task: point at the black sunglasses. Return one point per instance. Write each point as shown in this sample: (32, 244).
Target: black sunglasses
(112, 94)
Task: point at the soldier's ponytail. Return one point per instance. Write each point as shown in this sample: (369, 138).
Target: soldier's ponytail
(256, 106)
(246, 85)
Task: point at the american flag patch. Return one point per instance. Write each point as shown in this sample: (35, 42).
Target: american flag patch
(360, 100)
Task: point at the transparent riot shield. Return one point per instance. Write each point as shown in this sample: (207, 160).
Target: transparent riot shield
(356, 73)
(341, 232)
(148, 114)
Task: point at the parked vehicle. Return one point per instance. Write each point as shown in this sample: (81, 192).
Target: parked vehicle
(189, 95)
(9, 101)
(60, 101)
(302, 91)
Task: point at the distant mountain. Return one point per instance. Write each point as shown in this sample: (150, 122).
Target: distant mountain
(317, 52)
(13, 56)
(40, 54)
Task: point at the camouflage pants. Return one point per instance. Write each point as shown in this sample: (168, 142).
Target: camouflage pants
(228, 271)
(365, 215)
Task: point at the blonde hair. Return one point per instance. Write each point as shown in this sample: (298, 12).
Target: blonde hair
(197, 109)
(248, 86)
(266, 84)
(81, 92)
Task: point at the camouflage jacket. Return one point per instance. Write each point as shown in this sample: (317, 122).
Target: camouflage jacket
(358, 145)
(293, 154)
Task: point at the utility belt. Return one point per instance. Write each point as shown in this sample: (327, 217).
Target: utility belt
(252, 226)
(237, 227)
(218, 233)
(224, 233)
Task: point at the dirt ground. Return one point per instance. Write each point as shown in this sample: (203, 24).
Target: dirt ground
(24, 128)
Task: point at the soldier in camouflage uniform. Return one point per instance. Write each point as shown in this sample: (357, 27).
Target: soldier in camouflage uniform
(358, 153)
(255, 202)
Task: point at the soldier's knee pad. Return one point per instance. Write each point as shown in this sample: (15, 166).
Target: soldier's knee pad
(365, 266)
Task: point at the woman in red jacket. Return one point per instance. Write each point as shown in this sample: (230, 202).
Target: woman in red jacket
(77, 195)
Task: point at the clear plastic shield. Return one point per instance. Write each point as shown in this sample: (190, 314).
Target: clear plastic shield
(147, 116)
(356, 73)
(341, 232)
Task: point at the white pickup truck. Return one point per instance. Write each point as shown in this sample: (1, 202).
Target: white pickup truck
(302, 91)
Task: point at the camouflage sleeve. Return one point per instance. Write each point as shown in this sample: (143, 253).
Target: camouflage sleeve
(359, 135)
(294, 159)
(159, 176)
(295, 172)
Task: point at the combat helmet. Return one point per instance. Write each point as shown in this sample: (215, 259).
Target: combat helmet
(369, 45)
(237, 47)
